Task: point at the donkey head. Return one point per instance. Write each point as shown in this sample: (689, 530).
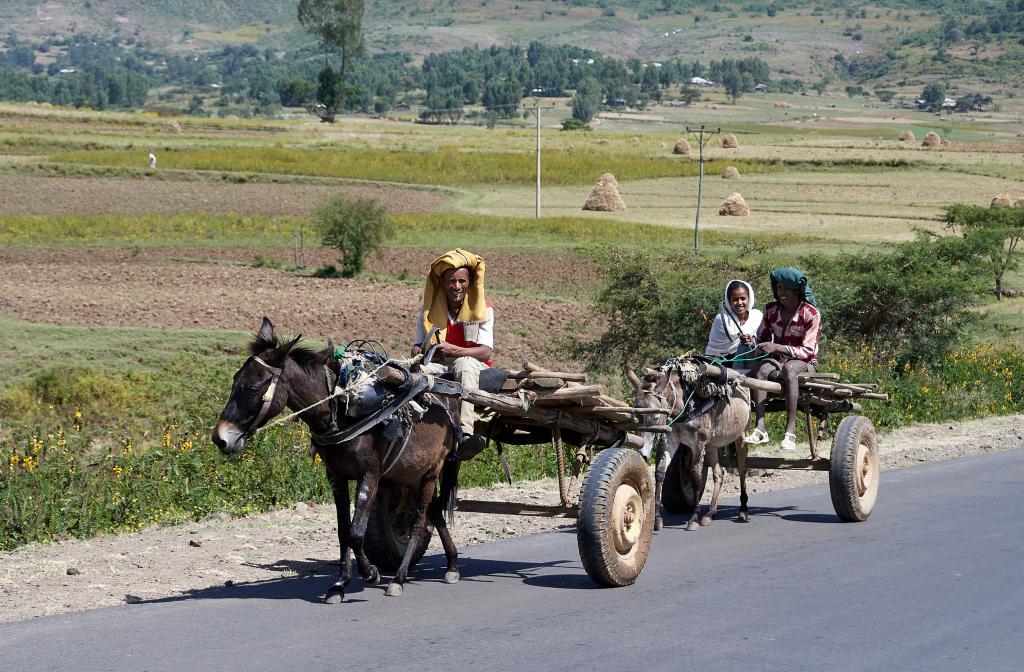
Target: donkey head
(256, 393)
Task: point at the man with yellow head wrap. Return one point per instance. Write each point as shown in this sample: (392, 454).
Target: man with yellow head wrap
(454, 302)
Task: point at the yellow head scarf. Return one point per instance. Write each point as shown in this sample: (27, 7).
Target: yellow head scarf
(435, 301)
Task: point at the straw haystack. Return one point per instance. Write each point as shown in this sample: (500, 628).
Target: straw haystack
(603, 141)
(610, 179)
(729, 141)
(173, 127)
(730, 173)
(1002, 201)
(906, 136)
(734, 206)
(682, 147)
(931, 140)
(782, 103)
(605, 198)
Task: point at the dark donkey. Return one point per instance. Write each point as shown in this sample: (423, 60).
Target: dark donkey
(277, 375)
(701, 427)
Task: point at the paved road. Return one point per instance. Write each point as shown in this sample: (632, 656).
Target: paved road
(930, 582)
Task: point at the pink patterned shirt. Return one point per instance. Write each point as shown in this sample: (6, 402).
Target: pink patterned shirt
(800, 335)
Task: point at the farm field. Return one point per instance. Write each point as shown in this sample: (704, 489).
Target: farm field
(127, 294)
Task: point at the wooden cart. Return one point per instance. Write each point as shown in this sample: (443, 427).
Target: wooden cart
(605, 483)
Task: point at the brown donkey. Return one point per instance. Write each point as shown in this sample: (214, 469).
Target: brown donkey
(701, 425)
(278, 375)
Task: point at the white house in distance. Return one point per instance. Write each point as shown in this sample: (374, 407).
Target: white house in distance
(700, 81)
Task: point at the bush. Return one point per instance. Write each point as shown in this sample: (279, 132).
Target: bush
(355, 228)
(574, 124)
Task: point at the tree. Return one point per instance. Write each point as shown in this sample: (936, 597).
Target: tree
(337, 24)
(587, 99)
(733, 83)
(933, 96)
(355, 228)
(998, 231)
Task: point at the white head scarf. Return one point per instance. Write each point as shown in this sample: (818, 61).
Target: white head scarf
(726, 329)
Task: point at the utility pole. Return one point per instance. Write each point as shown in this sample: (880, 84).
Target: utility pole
(536, 112)
(702, 140)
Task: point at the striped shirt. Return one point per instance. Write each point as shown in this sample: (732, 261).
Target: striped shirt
(800, 335)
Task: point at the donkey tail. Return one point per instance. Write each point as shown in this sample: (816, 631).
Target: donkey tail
(450, 487)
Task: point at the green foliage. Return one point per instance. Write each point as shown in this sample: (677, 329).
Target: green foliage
(933, 96)
(912, 302)
(336, 24)
(587, 100)
(355, 228)
(574, 124)
(998, 231)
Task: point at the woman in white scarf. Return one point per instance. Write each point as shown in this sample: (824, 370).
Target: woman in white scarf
(736, 324)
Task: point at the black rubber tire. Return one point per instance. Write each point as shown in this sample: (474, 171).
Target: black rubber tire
(387, 531)
(617, 496)
(677, 491)
(854, 469)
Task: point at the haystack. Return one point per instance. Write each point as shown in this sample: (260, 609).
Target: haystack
(603, 141)
(610, 179)
(730, 173)
(734, 206)
(729, 141)
(1019, 203)
(682, 147)
(906, 136)
(1002, 201)
(782, 103)
(605, 198)
(931, 140)
(173, 127)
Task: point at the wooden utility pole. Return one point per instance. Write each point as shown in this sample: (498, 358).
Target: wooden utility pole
(703, 135)
(536, 112)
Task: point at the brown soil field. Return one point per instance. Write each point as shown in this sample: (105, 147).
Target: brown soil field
(212, 558)
(98, 196)
(176, 288)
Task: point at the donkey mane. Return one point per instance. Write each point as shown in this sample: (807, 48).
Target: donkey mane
(305, 357)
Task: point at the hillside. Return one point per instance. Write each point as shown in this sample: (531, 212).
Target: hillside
(903, 44)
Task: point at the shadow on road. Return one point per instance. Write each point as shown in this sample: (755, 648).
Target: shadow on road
(731, 514)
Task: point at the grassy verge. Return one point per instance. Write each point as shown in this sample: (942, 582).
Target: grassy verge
(451, 167)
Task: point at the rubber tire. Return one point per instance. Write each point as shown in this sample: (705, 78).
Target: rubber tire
(612, 468)
(677, 490)
(853, 432)
(387, 532)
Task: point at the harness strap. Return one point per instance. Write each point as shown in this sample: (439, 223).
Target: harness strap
(268, 396)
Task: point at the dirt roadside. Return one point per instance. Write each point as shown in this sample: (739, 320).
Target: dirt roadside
(39, 580)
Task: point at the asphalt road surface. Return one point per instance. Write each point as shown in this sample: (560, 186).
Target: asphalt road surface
(930, 582)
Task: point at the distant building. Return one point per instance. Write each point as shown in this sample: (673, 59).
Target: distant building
(763, 88)
(700, 81)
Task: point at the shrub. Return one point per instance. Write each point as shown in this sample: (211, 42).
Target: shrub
(574, 124)
(355, 228)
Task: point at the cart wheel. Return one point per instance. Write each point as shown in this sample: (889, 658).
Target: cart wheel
(854, 469)
(677, 491)
(388, 529)
(616, 520)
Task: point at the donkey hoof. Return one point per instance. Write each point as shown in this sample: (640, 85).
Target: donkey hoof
(394, 589)
(658, 524)
(705, 521)
(335, 595)
(743, 517)
(451, 576)
(692, 526)
(373, 578)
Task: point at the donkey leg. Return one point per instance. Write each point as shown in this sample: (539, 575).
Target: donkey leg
(451, 553)
(741, 465)
(698, 472)
(365, 494)
(422, 503)
(339, 488)
(719, 476)
(662, 461)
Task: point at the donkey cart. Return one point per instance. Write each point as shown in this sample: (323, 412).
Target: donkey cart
(605, 483)
(853, 462)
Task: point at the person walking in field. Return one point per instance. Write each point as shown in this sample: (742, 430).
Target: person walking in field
(789, 334)
(454, 302)
(152, 160)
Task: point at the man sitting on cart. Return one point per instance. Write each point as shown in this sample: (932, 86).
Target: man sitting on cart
(789, 335)
(454, 302)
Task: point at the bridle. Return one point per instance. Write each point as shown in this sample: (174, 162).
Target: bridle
(268, 396)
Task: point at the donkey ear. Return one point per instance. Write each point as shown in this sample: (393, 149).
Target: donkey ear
(633, 378)
(328, 351)
(266, 331)
(651, 374)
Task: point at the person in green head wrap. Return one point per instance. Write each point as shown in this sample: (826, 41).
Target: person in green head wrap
(789, 336)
